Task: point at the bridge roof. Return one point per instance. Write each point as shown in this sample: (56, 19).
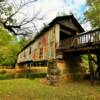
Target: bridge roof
(51, 24)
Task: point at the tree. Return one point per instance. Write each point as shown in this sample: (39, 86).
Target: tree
(9, 13)
(4, 37)
(93, 13)
(9, 48)
(9, 44)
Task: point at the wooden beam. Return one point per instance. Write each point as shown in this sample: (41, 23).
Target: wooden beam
(65, 31)
(94, 60)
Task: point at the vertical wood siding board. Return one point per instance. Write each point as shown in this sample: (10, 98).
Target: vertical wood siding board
(57, 34)
(48, 43)
(46, 53)
(51, 42)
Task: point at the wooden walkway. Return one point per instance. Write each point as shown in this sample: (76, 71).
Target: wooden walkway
(87, 41)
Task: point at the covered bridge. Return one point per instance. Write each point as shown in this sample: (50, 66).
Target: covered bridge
(56, 46)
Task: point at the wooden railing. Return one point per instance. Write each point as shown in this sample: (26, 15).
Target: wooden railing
(81, 40)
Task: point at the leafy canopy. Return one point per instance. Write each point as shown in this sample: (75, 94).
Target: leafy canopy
(9, 48)
(93, 13)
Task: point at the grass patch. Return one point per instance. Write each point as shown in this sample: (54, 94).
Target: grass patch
(25, 89)
(29, 85)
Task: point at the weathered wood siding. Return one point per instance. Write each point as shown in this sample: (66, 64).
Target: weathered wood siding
(43, 48)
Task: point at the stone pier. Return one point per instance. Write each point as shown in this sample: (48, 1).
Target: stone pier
(67, 69)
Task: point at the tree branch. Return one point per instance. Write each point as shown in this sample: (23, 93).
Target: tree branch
(10, 25)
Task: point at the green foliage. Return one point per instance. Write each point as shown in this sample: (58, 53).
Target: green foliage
(9, 48)
(8, 54)
(23, 42)
(4, 37)
(93, 13)
(85, 60)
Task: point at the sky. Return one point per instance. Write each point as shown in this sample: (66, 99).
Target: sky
(75, 6)
(52, 8)
(49, 9)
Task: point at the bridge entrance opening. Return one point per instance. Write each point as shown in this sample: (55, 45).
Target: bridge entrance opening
(64, 35)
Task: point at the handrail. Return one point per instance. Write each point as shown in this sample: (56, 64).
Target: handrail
(81, 39)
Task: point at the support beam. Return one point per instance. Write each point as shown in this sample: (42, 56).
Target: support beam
(94, 60)
(91, 68)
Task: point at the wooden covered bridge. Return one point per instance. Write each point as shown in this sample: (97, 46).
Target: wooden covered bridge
(60, 46)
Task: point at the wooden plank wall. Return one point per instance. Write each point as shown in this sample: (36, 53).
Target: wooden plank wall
(43, 48)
